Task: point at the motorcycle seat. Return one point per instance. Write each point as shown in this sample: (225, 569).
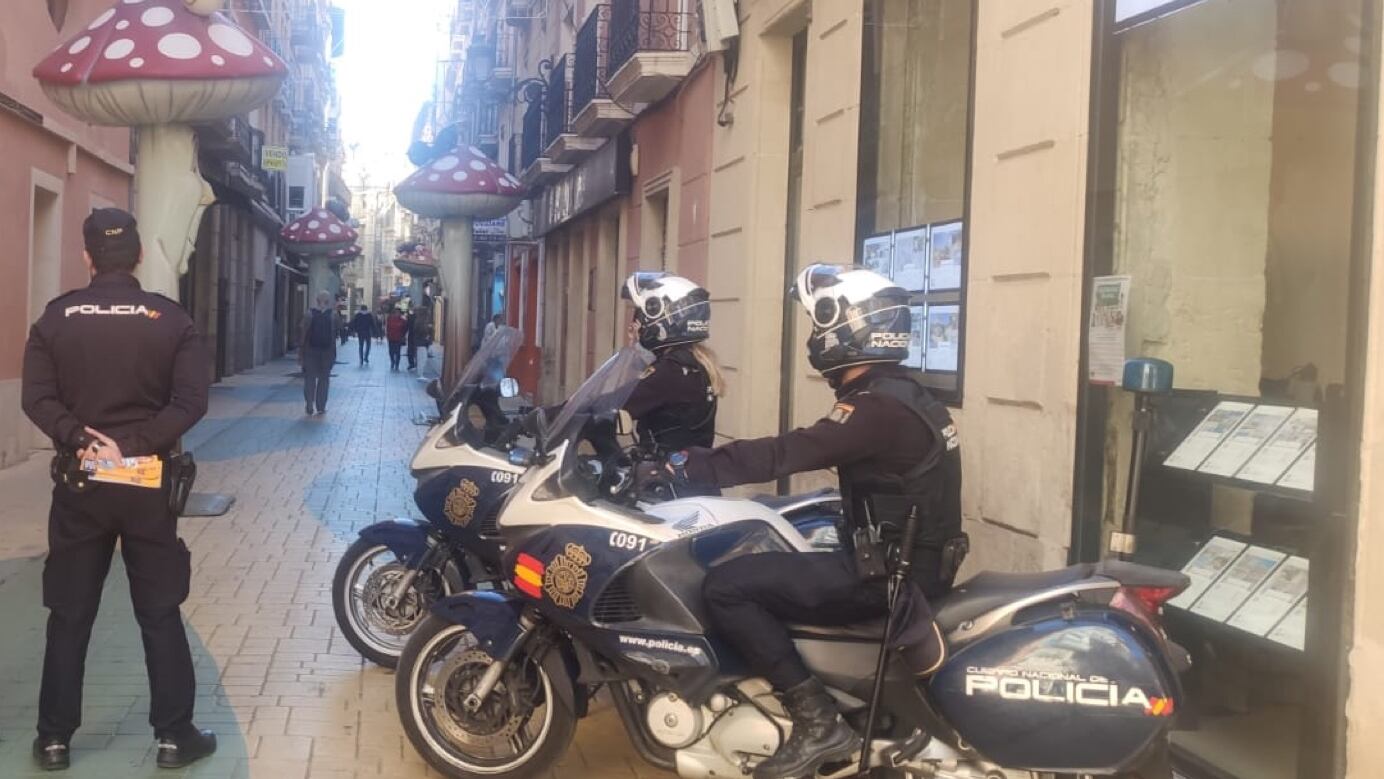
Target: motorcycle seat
(779, 502)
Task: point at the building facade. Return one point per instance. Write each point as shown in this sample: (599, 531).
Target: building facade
(55, 171)
(1060, 186)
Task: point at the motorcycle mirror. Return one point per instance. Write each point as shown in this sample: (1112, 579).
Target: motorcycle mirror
(509, 388)
(520, 457)
(434, 389)
(624, 423)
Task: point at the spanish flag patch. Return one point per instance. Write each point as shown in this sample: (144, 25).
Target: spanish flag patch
(528, 575)
(841, 413)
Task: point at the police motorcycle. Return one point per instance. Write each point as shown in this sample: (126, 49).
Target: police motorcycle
(1061, 672)
(395, 570)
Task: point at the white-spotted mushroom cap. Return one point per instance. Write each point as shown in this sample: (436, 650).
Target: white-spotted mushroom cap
(344, 255)
(417, 264)
(464, 182)
(148, 62)
(318, 232)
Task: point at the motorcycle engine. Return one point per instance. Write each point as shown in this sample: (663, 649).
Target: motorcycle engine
(672, 721)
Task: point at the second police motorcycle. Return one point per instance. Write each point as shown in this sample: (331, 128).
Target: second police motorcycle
(395, 570)
(1066, 672)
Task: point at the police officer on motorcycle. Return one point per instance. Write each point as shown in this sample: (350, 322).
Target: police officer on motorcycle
(897, 458)
(674, 404)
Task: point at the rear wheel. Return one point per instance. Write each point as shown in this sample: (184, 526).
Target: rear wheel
(521, 730)
(362, 597)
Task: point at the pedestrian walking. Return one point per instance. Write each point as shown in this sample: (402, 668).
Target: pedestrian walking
(317, 353)
(396, 330)
(377, 320)
(344, 324)
(413, 339)
(364, 325)
(110, 372)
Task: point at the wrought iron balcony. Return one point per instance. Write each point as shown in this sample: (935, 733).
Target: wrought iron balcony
(647, 25)
(594, 114)
(531, 145)
(557, 100)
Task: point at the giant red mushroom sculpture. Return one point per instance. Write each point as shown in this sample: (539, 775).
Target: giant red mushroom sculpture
(317, 235)
(160, 65)
(458, 188)
(420, 267)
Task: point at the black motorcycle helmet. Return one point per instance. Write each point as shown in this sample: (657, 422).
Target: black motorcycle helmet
(669, 310)
(858, 317)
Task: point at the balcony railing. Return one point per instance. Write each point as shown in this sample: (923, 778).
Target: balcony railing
(646, 25)
(589, 71)
(557, 100)
(532, 137)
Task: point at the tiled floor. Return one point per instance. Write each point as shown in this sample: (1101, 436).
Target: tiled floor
(287, 695)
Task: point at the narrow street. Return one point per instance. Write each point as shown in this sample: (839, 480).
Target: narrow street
(287, 696)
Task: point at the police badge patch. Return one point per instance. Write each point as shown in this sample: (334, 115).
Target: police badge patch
(841, 413)
(564, 578)
(460, 507)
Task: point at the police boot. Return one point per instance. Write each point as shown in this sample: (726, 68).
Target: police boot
(185, 747)
(819, 735)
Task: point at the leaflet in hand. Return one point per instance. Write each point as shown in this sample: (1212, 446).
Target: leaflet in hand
(144, 472)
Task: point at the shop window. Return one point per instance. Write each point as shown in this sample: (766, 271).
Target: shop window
(913, 184)
(1225, 177)
(296, 197)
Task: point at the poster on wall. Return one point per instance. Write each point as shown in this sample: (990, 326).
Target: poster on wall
(943, 338)
(946, 256)
(1235, 586)
(1236, 450)
(1106, 334)
(1208, 435)
(877, 254)
(911, 258)
(1275, 457)
(1274, 599)
(1205, 567)
(918, 318)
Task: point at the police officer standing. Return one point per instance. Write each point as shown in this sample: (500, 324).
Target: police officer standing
(896, 454)
(114, 372)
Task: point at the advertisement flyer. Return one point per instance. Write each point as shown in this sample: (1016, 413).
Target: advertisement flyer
(1282, 450)
(1257, 428)
(1274, 598)
(877, 254)
(946, 258)
(1239, 581)
(911, 258)
(1292, 631)
(1109, 307)
(916, 347)
(1208, 435)
(1206, 567)
(943, 338)
(1303, 473)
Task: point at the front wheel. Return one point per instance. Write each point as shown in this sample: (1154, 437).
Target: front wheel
(521, 730)
(362, 597)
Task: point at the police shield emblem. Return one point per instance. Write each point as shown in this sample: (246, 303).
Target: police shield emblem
(564, 578)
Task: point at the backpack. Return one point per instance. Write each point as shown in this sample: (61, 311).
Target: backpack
(321, 332)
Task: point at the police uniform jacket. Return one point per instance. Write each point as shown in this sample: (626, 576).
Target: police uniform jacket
(120, 360)
(674, 404)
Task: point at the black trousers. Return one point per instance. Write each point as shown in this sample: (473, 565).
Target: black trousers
(317, 376)
(412, 356)
(364, 346)
(396, 349)
(750, 598)
(82, 531)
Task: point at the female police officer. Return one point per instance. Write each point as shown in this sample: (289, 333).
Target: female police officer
(674, 404)
(896, 454)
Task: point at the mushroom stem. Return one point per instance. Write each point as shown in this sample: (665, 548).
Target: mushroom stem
(170, 196)
(322, 277)
(455, 273)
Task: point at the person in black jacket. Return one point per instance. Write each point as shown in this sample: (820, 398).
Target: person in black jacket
(674, 404)
(363, 325)
(110, 372)
(897, 457)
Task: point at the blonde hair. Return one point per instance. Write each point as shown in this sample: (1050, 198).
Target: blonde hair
(707, 359)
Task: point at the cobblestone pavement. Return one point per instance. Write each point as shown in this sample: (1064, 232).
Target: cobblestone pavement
(286, 694)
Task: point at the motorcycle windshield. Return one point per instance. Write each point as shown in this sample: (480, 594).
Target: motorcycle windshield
(490, 362)
(604, 392)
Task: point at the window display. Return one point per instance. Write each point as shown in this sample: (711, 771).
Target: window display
(1223, 193)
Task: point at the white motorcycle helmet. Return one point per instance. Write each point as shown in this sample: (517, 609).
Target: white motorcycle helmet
(858, 317)
(669, 310)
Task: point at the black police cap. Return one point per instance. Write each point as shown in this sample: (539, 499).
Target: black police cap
(111, 233)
